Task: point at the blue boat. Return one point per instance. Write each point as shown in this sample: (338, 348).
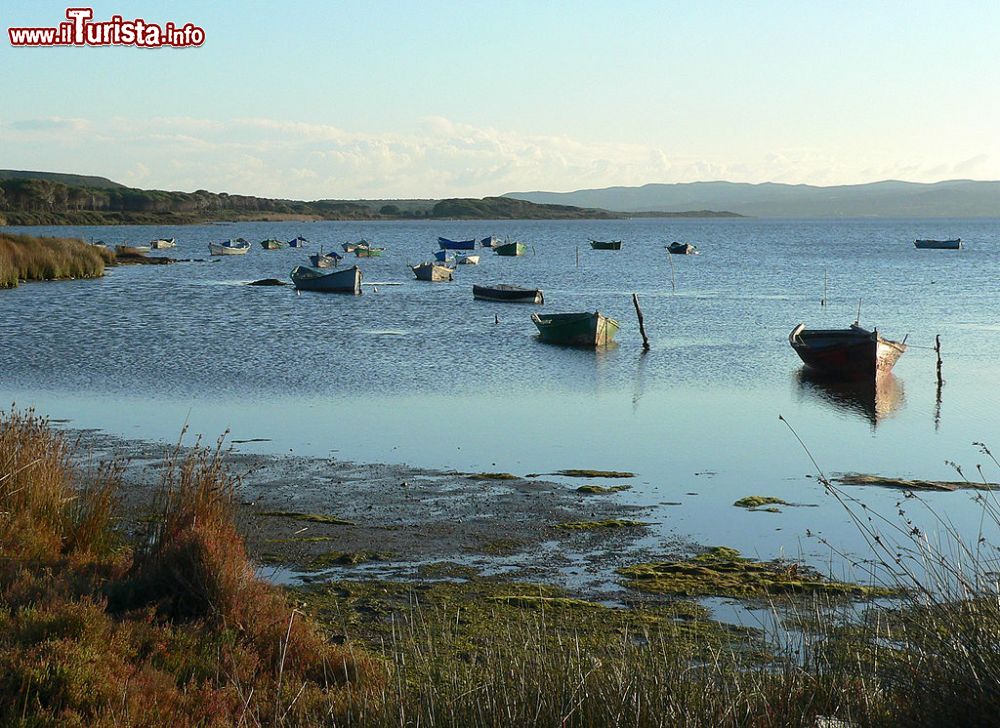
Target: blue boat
(447, 244)
(444, 256)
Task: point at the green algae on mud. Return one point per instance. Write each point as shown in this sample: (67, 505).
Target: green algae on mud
(723, 572)
(902, 483)
(310, 517)
(596, 525)
(578, 473)
(476, 614)
(346, 558)
(602, 490)
(753, 502)
(492, 476)
(499, 547)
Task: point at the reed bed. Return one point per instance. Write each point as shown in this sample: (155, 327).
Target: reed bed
(29, 258)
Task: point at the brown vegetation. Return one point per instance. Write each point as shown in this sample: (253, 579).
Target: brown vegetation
(28, 258)
(172, 628)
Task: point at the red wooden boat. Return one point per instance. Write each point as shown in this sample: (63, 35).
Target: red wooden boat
(853, 352)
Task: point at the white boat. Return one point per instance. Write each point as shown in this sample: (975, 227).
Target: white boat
(432, 272)
(163, 243)
(230, 247)
(467, 259)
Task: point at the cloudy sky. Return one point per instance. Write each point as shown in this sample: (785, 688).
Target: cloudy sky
(432, 99)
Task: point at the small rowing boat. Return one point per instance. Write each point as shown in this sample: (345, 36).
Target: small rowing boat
(576, 329)
(508, 294)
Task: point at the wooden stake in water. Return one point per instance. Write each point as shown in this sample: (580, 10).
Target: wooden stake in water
(937, 350)
(823, 302)
(857, 321)
(578, 255)
(673, 283)
(642, 326)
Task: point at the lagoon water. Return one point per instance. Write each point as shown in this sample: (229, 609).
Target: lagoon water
(420, 373)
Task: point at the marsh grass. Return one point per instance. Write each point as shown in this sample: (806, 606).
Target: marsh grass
(29, 258)
(170, 628)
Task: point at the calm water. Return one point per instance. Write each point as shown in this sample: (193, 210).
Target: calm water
(420, 373)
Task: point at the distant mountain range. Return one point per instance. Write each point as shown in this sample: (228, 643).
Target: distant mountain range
(954, 198)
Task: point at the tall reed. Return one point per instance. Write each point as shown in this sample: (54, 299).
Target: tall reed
(28, 258)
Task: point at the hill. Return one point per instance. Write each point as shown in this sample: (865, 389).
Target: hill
(890, 198)
(77, 180)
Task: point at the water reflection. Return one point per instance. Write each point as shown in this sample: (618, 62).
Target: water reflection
(873, 399)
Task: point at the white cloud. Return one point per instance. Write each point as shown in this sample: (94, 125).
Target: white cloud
(437, 157)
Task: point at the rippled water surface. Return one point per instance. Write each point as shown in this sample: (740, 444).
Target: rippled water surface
(421, 373)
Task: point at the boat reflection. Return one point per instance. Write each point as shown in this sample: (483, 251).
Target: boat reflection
(873, 399)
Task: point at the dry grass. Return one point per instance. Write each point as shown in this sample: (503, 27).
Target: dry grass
(28, 258)
(173, 630)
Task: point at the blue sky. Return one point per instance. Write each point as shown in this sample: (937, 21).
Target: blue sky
(430, 99)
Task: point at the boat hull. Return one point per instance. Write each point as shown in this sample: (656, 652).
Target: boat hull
(222, 249)
(447, 244)
(938, 244)
(508, 294)
(510, 250)
(273, 244)
(432, 272)
(467, 259)
(682, 249)
(163, 244)
(368, 252)
(848, 353)
(576, 329)
(341, 281)
(600, 245)
(320, 260)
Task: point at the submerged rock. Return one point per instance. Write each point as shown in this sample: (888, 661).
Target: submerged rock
(267, 282)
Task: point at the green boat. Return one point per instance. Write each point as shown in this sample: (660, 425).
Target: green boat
(273, 244)
(510, 249)
(576, 329)
(368, 252)
(606, 245)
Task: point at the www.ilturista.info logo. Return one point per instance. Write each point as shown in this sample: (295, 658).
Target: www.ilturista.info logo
(80, 30)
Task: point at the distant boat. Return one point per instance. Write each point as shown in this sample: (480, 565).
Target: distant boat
(368, 251)
(351, 247)
(467, 259)
(131, 249)
(432, 272)
(849, 353)
(299, 242)
(341, 281)
(325, 260)
(576, 329)
(510, 249)
(601, 245)
(230, 247)
(273, 244)
(443, 256)
(490, 241)
(163, 243)
(682, 249)
(447, 244)
(508, 294)
(955, 244)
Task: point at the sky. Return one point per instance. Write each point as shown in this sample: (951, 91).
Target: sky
(430, 99)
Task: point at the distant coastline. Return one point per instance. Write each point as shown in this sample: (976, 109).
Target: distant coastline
(49, 198)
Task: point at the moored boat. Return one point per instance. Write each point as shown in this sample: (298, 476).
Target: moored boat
(239, 246)
(510, 249)
(606, 245)
(467, 259)
(849, 353)
(298, 242)
(682, 249)
(325, 260)
(163, 243)
(576, 329)
(273, 244)
(368, 251)
(443, 256)
(508, 294)
(447, 244)
(955, 244)
(341, 281)
(490, 241)
(432, 272)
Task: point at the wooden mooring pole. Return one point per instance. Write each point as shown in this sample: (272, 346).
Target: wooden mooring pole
(937, 350)
(642, 326)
